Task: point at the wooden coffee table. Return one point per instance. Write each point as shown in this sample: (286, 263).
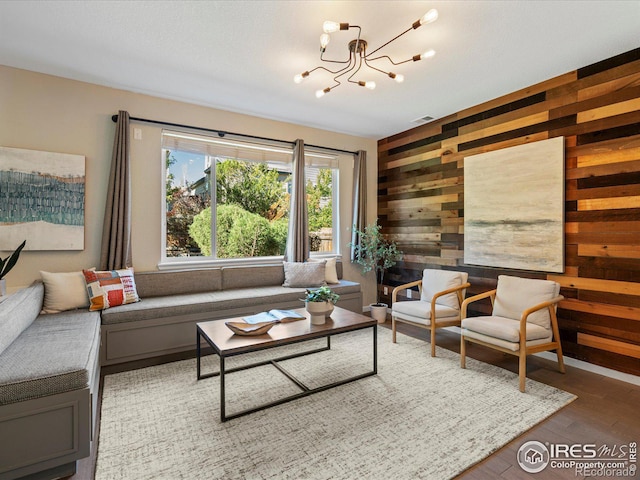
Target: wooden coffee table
(226, 344)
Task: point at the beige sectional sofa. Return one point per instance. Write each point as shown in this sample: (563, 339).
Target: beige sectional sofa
(49, 368)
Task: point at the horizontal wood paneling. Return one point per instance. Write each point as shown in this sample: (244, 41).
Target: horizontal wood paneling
(597, 110)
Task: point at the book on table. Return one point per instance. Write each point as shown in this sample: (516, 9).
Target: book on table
(274, 316)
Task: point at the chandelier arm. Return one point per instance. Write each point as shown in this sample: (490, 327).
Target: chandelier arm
(345, 70)
(337, 84)
(320, 67)
(334, 61)
(393, 39)
(353, 74)
(374, 68)
(388, 58)
(343, 61)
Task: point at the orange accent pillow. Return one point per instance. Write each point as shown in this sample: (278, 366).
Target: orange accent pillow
(110, 288)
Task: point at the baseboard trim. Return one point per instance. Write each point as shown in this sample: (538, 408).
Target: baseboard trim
(582, 365)
(590, 367)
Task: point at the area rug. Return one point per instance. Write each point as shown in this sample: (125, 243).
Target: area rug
(420, 417)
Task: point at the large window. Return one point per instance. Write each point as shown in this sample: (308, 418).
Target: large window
(229, 199)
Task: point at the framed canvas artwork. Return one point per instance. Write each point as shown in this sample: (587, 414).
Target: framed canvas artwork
(514, 207)
(42, 198)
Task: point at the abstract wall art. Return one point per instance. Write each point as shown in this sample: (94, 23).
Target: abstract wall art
(42, 198)
(514, 207)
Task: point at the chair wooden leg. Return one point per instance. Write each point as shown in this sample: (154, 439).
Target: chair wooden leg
(463, 352)
(433, 341)
(556, 334)
(522, 368)
(560, 359)
(393, 329)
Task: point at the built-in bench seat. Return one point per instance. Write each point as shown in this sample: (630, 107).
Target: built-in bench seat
(172, 302)
(215, 303)
(49, 378)
(50, 363)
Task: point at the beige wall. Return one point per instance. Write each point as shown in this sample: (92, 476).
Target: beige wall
(42, 112)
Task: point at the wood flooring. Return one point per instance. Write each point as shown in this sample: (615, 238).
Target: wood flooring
(607, 411)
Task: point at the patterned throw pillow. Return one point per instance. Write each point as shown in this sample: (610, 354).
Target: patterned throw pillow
(110, 288)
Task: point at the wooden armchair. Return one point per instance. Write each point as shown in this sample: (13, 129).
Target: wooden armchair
(523, 321)
(441, 296)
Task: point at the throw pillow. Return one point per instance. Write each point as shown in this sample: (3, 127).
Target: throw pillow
(516, 294)
(434, 281)
(330, 272)
(110, 288)
(304, 274)
(64, 291)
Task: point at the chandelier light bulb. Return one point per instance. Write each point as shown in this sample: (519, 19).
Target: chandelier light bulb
(427, 54)
(300, 77)
(324, 40)
(396, 76)
(369, 85)
(429, 17)
(321, 93)
(330, 26)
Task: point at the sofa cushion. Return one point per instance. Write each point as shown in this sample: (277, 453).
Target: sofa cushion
(304, 274)
(55, 354)
(515, 295)
(18, 311)
(110, 288)
(199, 303)
(252, 276)
(64, 291)
(157, 284)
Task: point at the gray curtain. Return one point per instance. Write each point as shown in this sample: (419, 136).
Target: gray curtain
(298, 236)
(116, 232)
(359, 199)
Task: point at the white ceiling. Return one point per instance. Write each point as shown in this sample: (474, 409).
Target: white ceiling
(242, 55)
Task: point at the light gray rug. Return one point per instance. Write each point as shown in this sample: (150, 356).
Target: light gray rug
(420, 417)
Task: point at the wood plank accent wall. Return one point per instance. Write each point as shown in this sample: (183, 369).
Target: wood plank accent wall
(597, 110)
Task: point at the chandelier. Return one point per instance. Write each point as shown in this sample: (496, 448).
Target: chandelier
(359, 57)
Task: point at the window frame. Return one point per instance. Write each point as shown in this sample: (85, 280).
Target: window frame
(195, 262)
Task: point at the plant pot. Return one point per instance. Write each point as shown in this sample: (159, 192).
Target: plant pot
(3, 287)
(379, 312)
(319, 311)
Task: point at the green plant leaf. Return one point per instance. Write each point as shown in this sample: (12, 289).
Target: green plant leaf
(375, 252)
(9, 263)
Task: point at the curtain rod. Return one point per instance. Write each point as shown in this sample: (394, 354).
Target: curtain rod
(222, 133)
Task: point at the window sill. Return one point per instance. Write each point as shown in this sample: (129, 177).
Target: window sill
(197, 263)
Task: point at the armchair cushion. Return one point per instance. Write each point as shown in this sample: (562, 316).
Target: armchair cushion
(420, 312)
(434, 281)
(504, 328)
(516, 294)
(498, 342)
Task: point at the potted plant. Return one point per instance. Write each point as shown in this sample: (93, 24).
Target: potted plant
(6, 265)
(376, 253)
(319, 303)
